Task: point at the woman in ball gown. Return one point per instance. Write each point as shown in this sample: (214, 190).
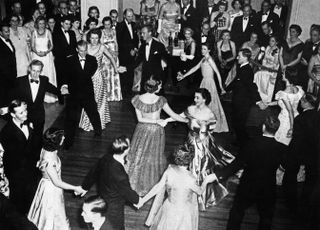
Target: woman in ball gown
(220, 20)
(265, 79)
(21, 42)
(146, 160)
(76, 28)
(149, 11)
(41, 45)
(314, 74)
(99, 79)
(30, 25)
(235, 12)
(179, 211)
(208, 68)
(209, 155)
(109, 39)
(47, 210)
(167, 23)
(90, 24)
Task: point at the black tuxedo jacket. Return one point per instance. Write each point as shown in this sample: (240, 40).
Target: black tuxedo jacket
(238, 35)
(22, 91)
(273, 20)
(245, 92)
(17, 158)
(192, 20)
(113, 186)
(308, 51)
(61, 47)
(79, 80)
(8, 71)
(283, 14)
(125, 42)
(210, 40)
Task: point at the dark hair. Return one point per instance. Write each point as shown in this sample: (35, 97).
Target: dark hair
(82, 43)
(275, 38)
(247, 5)
(4, 24)
(148, 27)
(265, 1)
(89, 20)
(93, 8)
(40, 18)
(224, 32)
(271, 124)
(128, 10)
(315, 28)
(188, 29)
(234, 2)
(113, 11)
(205, 94)
(311, 99)
(96, 31)
(66, 18)
(120, 144)
(246, 53)
(152, 84)
(62, 2)
(207, 44)
(53, 139)
(223, 3)
(105, 19)
(291, 76)
(36, 62)
(183, 155)
(14, 104)
(99, 205)
(14, 16)
(296, 28)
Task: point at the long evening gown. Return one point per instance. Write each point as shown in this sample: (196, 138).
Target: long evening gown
(313, 87)
(209, 156)
(146, 160)
(47, 210)
(264, 79)
(113, 79)
(99, 80)
(215, 105)
(20, 40)
(179, 211)
(49, 70)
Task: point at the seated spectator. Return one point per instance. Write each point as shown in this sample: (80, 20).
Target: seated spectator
(30, 25)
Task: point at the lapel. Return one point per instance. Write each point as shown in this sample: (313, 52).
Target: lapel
(28, 88)
(6, 47)
(64, 37)
(152, 49)
(18, 132)
(126, 26)
(39, 89)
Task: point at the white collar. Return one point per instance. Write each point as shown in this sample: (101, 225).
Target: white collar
(307, 109)
(187, 7)
(16, 123)
(3, 39)
(29, 76)
(268, 135)
(119, 159)
(149, 42)
(243, 64)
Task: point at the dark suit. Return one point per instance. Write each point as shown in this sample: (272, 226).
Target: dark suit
(273, 20)
(261, 158)
(36, 112)
(126, 43)
(18, 166)
(238, 35)
(191, 19)
(11, 219)
(81, 95)
(8, 72)
(209, 39)
(302, 151)
(61, 50)
(245, 95)
(114, 187)
(283, 15)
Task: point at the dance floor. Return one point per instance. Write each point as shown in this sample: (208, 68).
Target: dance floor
(88, 149)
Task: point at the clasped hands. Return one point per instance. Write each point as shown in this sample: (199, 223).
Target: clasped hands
(162, 122)
(140, 203)
(262, 105)
(79, 191)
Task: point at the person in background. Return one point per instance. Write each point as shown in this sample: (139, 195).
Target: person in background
(113, 14)
(220, 20)
(51, 22)
(90, 24)
(206, 8)
(149, 11)
(314, 74)
(62, 11)
(235, 12)
(74, 9)
(76, 24)
(267, 32)
(253, 46)
(16, 10)
(189, 17)
(21, 43)
(93, 12)
(30, 24)
(281, 9)
(93, 212)
(42, 9)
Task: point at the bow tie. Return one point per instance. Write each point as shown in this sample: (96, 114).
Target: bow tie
(65, 31)
(7, 40)
(129, 23)
(265, 13)
(81, 60)
(147, 44)
(23, 123)
(245, 18)
(34, 81)
(204, 36)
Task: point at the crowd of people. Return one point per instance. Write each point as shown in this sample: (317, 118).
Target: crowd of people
(271, 77)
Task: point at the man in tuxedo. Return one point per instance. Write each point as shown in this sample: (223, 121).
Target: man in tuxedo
(16, 138)
(267, 32)
(242, 27)
(205, 9)
(62, 11)
(206, 36)
(188, 17)
(302, 151)
(78, 84)
(113, 183)
(74, 9)
(244, 95)
(113, 14)
(17, 10)
(11, 219)
(280, 9)
(310, 48)
(128, 41)
(266, 15)
(261, 158)
(32, 89)
(64, 46)
(8, 68)
(150, 54)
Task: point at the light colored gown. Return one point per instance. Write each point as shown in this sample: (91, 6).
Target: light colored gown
(264, 79)
(41, 44)
(47, 210)
(312, 87)
(179, 211)
(99, 80)
(215, 105)
(293, 99)
(113, 79)
(20, 41)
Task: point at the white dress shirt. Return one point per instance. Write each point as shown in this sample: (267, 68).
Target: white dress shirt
(265, 16)
(34, 88)
(67, 35)
(148, 46)
(82, 61)
(245, 23)
(24, 128)
(210, 9)
(204, 38)
(185, 9)
(277, 10)
(129, 28)
(7, 43)
(243, 64)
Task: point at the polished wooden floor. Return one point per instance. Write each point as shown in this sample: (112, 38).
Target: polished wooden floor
(88, 149)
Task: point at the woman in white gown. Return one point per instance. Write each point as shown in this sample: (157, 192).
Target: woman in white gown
(179, 211)
(208, 69)
(47, 210)
(41, 45)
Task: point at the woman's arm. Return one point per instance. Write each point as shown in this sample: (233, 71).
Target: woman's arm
(170, 119)
(55, 179)
(200, 189)
(50, 43)
(173, 115)
(108, 54)
(146, 120)
(212, 22)
(234, 53)
(310, 68)
(291, 116)
(216, 70)
(33, 42)
(295, 61)
(191, 71)
(219, 50)
(281, 59)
